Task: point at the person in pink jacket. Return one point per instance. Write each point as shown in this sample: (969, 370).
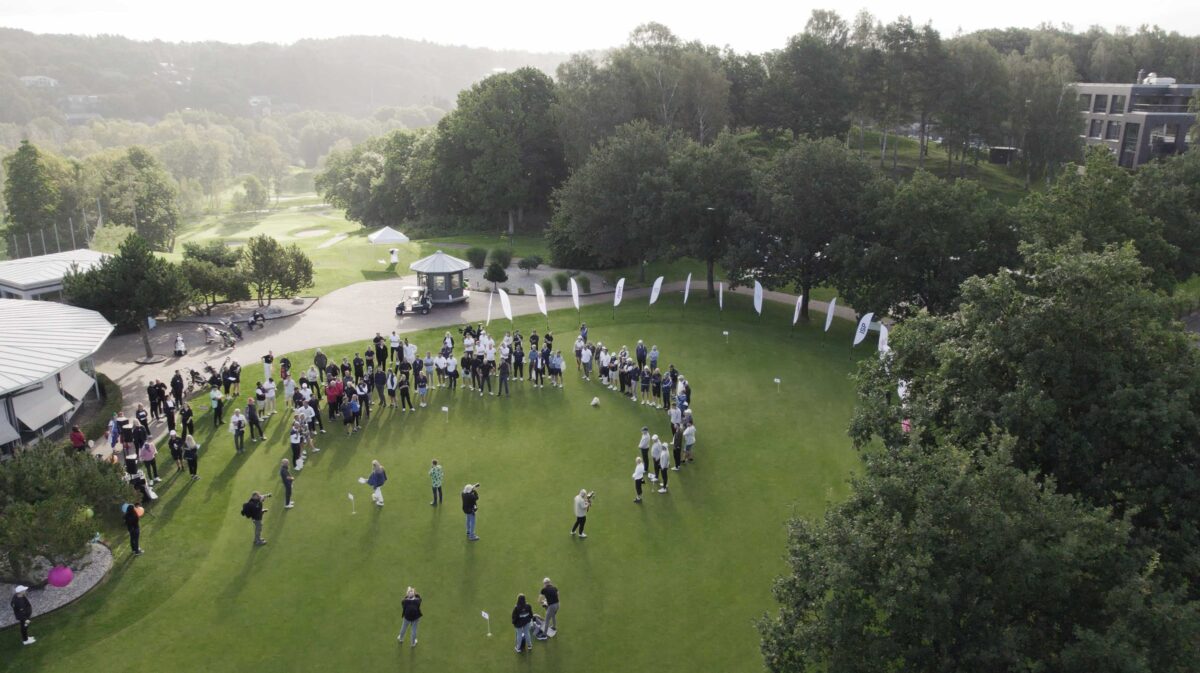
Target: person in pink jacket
(149, 457)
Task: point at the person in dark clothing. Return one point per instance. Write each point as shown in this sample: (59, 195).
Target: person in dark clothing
(522, 615)
(322, 363)
(470, 505)
(254, 510)
(359, 365)
(504, 369)
(381, 350)
(380, 380)
(143, 418)
(316, 422)
(485, 375)
(410, 606)
(175, 446)
(191, 454)
(177, 387)
(186, 425)
(152, 396)
(23, 612)
(405, 397)
(133, 525)
(518, 357)
(169, 407)
(549, 595)
(253, 420)
(286, 476)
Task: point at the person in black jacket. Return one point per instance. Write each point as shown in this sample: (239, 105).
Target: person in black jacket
(254, 510)
(134, 526)
(522, 616)
(549, 599)
(470, 505)
(186, 425)
(177, 387)
(23, 611)
(411, 606)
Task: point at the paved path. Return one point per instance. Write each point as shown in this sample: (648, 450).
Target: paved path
(355, 312)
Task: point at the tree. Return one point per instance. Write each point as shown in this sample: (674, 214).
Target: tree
(590, 101)
(808, 90)
(494, 274)
(45, 497)
(214, 274)
(253, 197)
(273, 270)
(1169, 192)
(708, 186)
(129, 287)
(918, 241)
(1043, 118)
(974, 97)
(1078, 360)
(606, 214)
(137, 192)
(529, 263)
(30, 193)
(1097, 207)
(953, 560)
(805, 198)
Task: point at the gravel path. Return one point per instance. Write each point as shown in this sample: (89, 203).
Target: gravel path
(88, 574)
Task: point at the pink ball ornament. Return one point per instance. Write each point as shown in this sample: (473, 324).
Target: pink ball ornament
(60, 576)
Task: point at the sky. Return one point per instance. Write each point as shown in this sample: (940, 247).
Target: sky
(552, 25)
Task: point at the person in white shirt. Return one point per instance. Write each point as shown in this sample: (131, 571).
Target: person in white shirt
(410, 352)
(676, 417)
(664, 464)
(289, 391)
(644, 444)
(452, 373)
(583, 502)
(489, 353)
(305, 392)
(639, 478)
(578, 353)
(656, 451)
(439, 364)
(585, 357)
(448, 342)
(689, 440)
(394, 341)
(469, 345)
(269, 406)
(505, 353)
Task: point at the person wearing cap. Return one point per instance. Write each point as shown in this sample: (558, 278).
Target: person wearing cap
(664, 464)
(23, 611)
(470, 505)
(253, 509)
(656, 451)
(549, 599)
(237, 427)
(644, 444)
(175, 446)
(134, 526)
(411, 607)
(639, 477)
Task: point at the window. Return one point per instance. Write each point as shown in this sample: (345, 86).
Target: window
(1085, 102)
(1094, 130)
(439, 282)
(1129, 146)
(456, 280)
(1113, 132)
(1118, 105)
(1100, 104)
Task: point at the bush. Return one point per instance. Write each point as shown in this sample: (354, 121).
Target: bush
(529, 263)
(548, 286)
(477, 257)
(501, 256)
(562, 278)
(495, 274)
(520, 290)
(585, 283)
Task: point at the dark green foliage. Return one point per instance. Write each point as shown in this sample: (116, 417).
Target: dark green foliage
(477, 257)
(563, 280)
(547, 286)
(1169, 191)
(495, 274)
(953, 560)
(273, 270)
(529, 263)
(95, 428)
(30, 193)
(584, 282)
(501, 256)
(44, 492)
(139, 193)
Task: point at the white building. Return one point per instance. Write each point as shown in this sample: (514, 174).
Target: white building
(41, 277)
(46, 351)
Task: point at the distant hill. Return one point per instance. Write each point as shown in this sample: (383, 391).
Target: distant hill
(75, 77)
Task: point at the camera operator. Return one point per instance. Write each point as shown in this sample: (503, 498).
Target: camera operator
(254, 510)
(470, 505)
(583, 502)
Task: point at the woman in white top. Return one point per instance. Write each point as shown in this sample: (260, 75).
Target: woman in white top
(689, 439)
(656, 451)
(639, 478)
(289, 390)
(269, 405)
(469, 345)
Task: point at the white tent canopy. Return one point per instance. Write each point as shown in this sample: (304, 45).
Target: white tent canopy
(387, 235)
(38, 408)
(440, 262)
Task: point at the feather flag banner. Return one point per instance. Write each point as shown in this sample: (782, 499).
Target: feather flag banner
(829, 313)
(796, 313)
(506, 305)
(575, 292)
(687, 286)
(758, 297)
(489, 315)
(655, 290)
(541, 299)
(721, 296)
(883, 339)
(619, 293)
(864, 326)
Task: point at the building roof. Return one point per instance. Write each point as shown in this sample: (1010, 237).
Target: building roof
(439, 262)
(31, 272)
(40, 338)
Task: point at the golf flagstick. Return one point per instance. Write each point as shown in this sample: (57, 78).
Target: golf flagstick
(489, 623)
(351, 496)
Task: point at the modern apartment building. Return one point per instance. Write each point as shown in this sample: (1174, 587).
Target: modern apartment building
(1137, 122)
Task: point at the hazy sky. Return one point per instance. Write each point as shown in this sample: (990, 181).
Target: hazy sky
(545, 25)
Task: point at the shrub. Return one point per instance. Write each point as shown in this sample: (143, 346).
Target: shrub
(562, 278)
(477, 257)
(530, 263)
(495, 274)
(520, 290)
(585, 283)
(501, 256)
(548, 286)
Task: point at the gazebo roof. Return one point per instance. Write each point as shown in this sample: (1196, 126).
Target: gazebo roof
(440, 262)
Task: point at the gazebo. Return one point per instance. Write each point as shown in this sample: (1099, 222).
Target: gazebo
(442, 277)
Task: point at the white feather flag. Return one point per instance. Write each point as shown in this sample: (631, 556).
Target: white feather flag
(796, 313)
(655, 290)
(506, 305)
(883, 339)
(687, 286)
(864, 326)
(829, 313)
(575, 292)
(619, 293)
(489, 315)
(758, 297)
(541, 299)
(721, 296)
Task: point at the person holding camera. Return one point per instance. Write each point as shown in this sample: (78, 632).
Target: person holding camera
(470, 505)
(254, 510)
(583, 502)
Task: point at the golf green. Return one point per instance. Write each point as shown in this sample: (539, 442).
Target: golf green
(672, 584)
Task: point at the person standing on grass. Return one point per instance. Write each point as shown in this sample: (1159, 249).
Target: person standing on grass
(253, 509)
(286, 476)
(217, 402)
(451, 372)
(411, 608)
(504, 372)
(518, 359)
(270, 390)
(267, 361)
(253, 420)
(549, 595)
(689, 440)
(237, 426)
(149, 457)
(665, 386)
(394, 342)
(656, 451)
(143, 417)
(295, 439)
(376, 480)
(535, 366)
(391, 384)
(187, 423)
(644, 444)
(522, 615)
(175, 446)
(470, 505)
(381, 350)
(585, 358)
(639, 478)
(422, 386)
(640, 352)
(313, 413)
(134, 526)
(664, 462)
(364, 400)
(677, 442)
(169, 409)
(381, 378)
(23, 613)
(675, 414)
(583, 502)
(191, 454)
(435, 478)
(405, 398)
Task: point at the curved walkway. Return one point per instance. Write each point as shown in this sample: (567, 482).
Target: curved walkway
(354, 312)
(89, 571)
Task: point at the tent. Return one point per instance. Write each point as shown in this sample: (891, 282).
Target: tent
(387, 235)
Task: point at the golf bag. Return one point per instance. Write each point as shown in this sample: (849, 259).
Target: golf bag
(538, 628)
(227, 340)
(231, 325)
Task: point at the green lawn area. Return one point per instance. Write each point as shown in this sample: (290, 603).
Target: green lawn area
(523, 245)
(675, 583)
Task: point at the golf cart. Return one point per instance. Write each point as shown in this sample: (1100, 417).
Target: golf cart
(416, 300)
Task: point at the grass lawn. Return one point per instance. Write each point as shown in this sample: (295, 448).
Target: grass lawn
(523, 245)
(675, 583)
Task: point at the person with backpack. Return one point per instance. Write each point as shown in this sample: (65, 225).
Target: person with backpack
(253, 509)
(411, 608)
(522, 615)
